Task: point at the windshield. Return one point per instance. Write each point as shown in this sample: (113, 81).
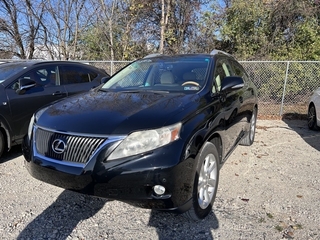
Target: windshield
(8, 70)
(171, 74)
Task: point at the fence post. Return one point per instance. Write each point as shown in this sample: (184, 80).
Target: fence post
(284, 88)
(111, 67)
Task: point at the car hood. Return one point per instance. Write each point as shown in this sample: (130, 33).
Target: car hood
(98, 112)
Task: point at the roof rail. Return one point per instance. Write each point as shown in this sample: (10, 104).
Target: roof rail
(216, 51)
(153, 55)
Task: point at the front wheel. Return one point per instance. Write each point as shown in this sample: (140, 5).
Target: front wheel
(205, 183)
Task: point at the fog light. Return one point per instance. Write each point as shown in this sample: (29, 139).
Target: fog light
(158, 189)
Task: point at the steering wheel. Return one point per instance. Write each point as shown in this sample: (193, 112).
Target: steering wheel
(190, 82)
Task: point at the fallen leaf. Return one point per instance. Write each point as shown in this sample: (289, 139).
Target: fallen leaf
(297, 226)
(290, 234)
(245, 199)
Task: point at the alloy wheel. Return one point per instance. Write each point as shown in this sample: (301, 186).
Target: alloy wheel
(252, 127)
(207, 181)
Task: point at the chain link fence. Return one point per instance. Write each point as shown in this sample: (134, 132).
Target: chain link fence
(284, 87)
(110, 66)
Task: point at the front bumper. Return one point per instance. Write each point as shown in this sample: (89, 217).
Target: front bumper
(129, 180)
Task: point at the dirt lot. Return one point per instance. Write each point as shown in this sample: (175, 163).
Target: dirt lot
(270, 190)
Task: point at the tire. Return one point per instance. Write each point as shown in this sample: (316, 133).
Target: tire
(312, 118)
(205, 182)
(2, 143)
(249, 138)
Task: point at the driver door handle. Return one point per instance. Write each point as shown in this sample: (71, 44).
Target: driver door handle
(58, 93)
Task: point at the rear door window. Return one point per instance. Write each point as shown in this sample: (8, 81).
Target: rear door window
(75, 74)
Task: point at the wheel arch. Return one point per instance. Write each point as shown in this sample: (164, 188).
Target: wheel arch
(217, 141)
(311, 104)
(202, 137)
(256, 107)
(6, 133)
(317, 114)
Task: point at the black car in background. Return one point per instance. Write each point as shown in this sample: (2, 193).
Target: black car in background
(155, 135)
(25, 86)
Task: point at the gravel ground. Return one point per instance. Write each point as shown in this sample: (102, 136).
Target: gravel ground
(270, 190)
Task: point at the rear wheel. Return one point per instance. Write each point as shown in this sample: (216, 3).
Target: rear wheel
(312, 118)
(249, 139)
(205, 183)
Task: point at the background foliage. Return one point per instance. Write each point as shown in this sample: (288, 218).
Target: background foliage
(130, 29)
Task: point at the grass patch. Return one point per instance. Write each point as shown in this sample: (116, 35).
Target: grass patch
(269, 215)
(279, 228)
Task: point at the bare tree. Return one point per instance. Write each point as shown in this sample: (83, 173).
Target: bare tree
(169, 23)
(64, 20)
(20, 25)
(111, 35)
(165, 14)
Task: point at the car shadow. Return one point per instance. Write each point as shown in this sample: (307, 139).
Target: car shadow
(312, 137)
(173, 226)
(14, 152)
(62, 217)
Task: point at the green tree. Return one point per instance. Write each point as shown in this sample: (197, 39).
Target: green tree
(206, 34)
(244, 28)
(294, 30)
(271, 29)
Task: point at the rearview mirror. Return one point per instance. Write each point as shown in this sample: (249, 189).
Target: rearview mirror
(25, 84)
(104, 79)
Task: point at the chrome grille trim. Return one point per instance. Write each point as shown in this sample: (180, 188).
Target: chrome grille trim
(76, 133)
(79, 148)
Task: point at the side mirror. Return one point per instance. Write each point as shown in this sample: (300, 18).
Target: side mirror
(25, 84)
(231, 83)
(104, 79)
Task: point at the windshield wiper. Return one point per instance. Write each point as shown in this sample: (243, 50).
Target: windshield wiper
(146, 91)
(103, 90)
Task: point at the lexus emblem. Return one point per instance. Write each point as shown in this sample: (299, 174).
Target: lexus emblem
(58, 146)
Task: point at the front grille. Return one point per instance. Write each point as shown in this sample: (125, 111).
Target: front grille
(77, 149)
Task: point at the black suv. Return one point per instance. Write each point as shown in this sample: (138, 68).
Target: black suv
(154, 135)
(25, 86)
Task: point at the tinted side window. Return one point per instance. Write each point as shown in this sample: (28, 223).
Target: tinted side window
(43, 76)
(76, 74)
(223, 69)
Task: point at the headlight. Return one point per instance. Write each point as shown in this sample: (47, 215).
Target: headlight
(39, 113)
(34, 119)
(144, 141)
(30, 126)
